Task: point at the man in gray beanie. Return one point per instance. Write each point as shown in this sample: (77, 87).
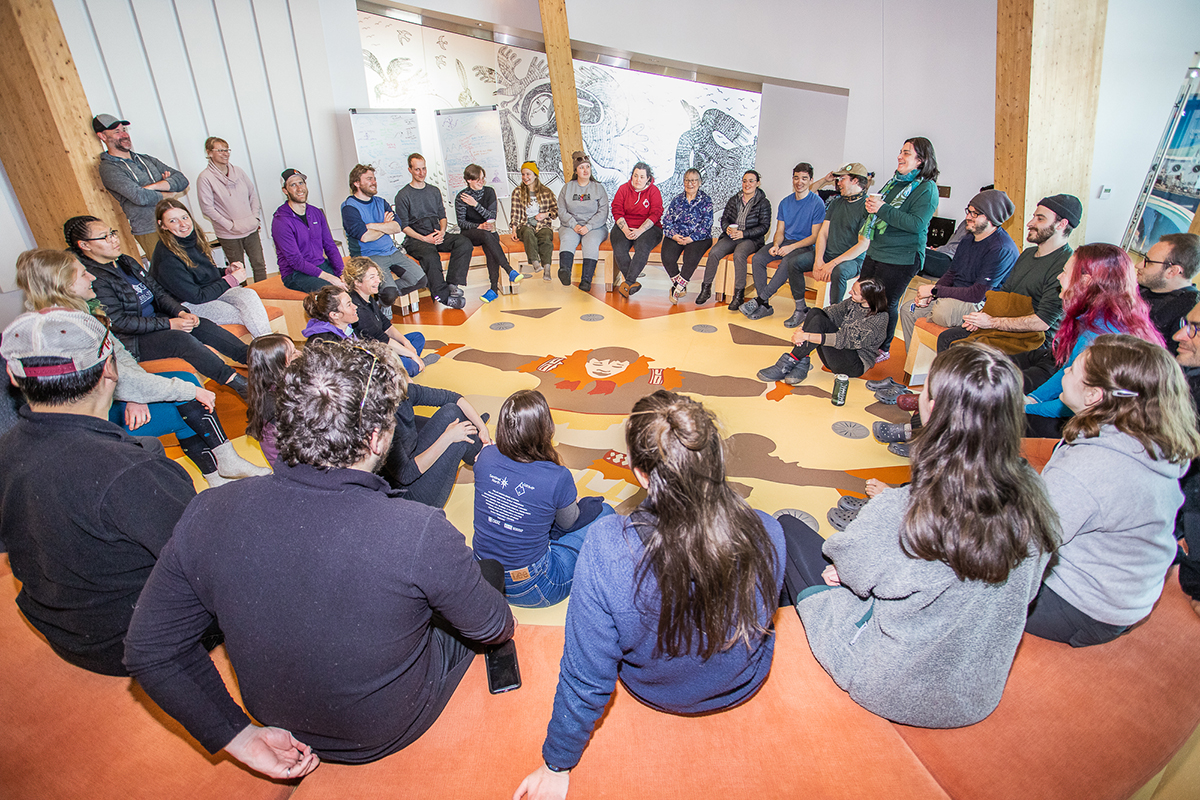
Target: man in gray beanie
(983, 260)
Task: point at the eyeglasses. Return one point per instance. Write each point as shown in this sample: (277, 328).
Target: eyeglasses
(113, 234)
(1192, 328)
(370, 376)
(222, 151)
(973, 213)
(1164, 263)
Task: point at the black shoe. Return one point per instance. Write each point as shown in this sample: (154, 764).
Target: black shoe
(796, 319)
(238, 384)
(565, 262)
(452, 301)
(585, 284)
(705, 294)
(739, 297)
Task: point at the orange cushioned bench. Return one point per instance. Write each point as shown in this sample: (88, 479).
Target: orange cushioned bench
(288, 301)
(1091, 724)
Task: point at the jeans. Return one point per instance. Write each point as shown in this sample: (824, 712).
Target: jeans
(417, 340)
(551, 575)
(692, 253)
(434, 486)
(742, 249)
(568, 240)
(631, 266)
(493, 251)
(839, 279)
(303, 282)
(797, 262)
(895, 279)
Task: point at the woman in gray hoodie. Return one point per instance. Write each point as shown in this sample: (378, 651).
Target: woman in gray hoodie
(1114, 481)
(919, 614)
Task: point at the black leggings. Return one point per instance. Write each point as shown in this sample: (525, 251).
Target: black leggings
(804, 560)
(1051, 617)
(631, 266)
(895, 279)
(692, 253)
(839, 361)
(191, 348)
(493, 251)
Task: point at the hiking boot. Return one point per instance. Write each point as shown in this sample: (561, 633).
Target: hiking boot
(781, 368)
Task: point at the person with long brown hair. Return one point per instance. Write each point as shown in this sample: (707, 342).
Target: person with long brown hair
(1114, 481)
(145, 403)
(183, 264)
(528, 515)
(676, 600)
(269, 356)
(916, 609)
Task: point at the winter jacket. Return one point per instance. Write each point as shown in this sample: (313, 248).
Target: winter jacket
(120, 301)
(758, 217)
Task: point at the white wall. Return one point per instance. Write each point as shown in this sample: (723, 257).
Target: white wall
(797, 125)
(1148, 46)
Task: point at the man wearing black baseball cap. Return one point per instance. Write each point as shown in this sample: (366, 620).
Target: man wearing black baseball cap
(85, 508)
(137, 180)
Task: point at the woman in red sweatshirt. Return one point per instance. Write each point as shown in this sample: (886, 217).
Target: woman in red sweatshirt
(637, 210)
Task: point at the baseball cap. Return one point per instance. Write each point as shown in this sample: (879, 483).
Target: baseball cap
(106, 122)
(289, 172)
(76, 337)
(853, 168)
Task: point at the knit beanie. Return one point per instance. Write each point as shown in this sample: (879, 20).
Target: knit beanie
(1067, 206)
(532, 167)
(993, 204)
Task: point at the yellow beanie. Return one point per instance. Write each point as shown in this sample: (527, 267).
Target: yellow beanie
(532, 167)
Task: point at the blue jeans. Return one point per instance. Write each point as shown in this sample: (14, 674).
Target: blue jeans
(417, 340)
(302, 282)
(550, 577)
(797, 262)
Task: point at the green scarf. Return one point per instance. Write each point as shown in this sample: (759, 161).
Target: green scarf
(874, 226)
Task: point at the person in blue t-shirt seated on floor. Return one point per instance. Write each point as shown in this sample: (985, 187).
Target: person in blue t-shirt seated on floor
(526, 513)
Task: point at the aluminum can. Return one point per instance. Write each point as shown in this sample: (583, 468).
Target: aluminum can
(841, 386)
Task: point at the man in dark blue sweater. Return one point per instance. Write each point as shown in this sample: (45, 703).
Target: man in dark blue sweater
(325, 584)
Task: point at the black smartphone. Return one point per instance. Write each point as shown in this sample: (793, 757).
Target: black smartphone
(503, 673)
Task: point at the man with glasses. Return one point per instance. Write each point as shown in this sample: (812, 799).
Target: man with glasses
(137, 180)
(1187, 523)
(982, 261)
(351, 614)
(1165, 281)
(85, 508)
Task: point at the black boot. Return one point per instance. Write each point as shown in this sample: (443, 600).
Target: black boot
(705, 294)
(589, 269)
(739, 297)
(565, 260)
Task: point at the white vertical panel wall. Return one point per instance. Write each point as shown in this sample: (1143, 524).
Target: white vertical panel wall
(254, 72)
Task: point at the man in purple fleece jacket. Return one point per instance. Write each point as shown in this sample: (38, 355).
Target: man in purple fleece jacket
(325, 584)
(307, 255)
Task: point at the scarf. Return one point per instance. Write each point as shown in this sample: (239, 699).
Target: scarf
(874, 226)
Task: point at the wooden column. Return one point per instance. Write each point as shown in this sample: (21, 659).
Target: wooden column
(1048, 55)
(50, 153)
(562, 79)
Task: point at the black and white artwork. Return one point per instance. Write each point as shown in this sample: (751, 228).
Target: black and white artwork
(626, 116)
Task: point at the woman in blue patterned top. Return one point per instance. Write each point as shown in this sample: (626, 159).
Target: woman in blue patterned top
(687, 230)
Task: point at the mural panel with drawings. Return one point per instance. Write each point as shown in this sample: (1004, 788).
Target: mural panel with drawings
(626, 116)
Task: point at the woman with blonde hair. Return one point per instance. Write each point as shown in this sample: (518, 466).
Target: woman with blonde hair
(676, 600)
(228, 198)
(183, 265)
(1114, 481)
(363, 278)
(144, 404)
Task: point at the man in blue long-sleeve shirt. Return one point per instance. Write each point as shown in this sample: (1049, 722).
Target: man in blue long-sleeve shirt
(325, 584)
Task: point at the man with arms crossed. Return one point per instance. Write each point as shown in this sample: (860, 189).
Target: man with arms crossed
(325, 583)
(369, 223)
(85, 508)
(137, 180)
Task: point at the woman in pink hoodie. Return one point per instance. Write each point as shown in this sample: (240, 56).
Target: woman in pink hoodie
(637, 209)
(229, 200)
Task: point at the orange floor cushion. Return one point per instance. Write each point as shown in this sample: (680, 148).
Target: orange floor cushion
(238, 330)
(68, 732)
(273, 289)
(927, 324)
(800, 736)
(1088, 723)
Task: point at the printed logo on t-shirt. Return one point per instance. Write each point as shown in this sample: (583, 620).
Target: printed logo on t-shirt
(581, 197)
